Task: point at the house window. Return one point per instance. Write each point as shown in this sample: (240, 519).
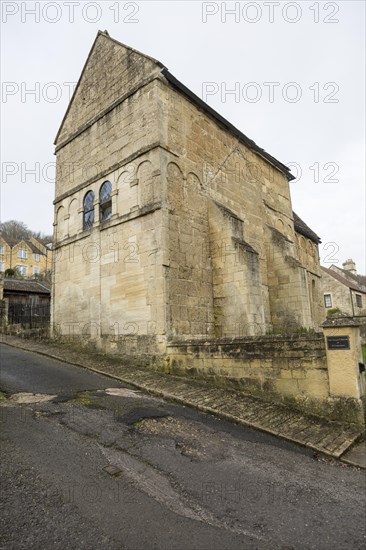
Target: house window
(36, 270)
(1, 250)
(105, 200)
(358, 300)
(36, 257)
(22, 269)
(22, 253)
(88, 214)
(327, 300)
(1, 267)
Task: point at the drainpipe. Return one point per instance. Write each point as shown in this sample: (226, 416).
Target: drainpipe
(353, 307)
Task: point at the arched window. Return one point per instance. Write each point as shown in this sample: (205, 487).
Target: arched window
(88, 204)
(105, 201)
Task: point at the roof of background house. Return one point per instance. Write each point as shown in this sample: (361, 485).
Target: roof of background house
(303, 229)
(13, 242)
(343, 280)
(28, 286)
(10, 241)
(360, 279)
(34, 248)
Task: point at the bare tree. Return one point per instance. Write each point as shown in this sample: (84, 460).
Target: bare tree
(14, 229)
(42, 237)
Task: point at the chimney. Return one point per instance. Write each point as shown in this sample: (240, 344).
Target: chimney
(349, 265)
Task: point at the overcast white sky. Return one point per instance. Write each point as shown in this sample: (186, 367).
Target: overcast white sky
(315, 119)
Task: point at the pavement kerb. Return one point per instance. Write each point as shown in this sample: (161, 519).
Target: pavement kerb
(351, 463)
(202, 408)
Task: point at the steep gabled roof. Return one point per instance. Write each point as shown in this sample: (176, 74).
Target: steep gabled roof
(100, 35)
(359, 279)
(14, 242)
(105, 33)
(9, 240)
(303, 229)
(181, 88)
(343, 280)
(35, 248)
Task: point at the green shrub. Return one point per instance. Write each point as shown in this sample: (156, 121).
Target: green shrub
(334, 311)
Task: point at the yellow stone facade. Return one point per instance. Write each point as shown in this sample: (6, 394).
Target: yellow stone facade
(201, 241)
(30, 257)
(345, 378)
(343, 292)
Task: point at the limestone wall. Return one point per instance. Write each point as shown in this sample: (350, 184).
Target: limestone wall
(290, 366)
(111, 74)
(359, 309)
(340, 294)
(259, 283)
(187, 261)
(6, 255)
(344, 298)
(289, 369)
(108, 280)
(200, 206)
(110, 143)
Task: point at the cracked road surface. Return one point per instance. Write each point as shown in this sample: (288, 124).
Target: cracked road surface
(88, 462)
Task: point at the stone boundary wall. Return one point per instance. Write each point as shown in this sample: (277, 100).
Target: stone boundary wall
(288, 369)
(284, 365)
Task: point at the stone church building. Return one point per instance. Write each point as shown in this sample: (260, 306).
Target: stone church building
(170, 223)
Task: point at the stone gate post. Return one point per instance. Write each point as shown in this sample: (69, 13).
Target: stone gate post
(344, 357)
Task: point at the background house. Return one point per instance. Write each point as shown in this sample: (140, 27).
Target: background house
(29, 256)
(344, 289)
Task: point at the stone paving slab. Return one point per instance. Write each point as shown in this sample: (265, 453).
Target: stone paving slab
(323, 436)
(356, 455)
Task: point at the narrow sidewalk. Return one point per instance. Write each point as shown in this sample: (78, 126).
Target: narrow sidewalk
(321, 435)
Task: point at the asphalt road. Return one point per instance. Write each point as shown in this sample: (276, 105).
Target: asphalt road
(92, 469)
